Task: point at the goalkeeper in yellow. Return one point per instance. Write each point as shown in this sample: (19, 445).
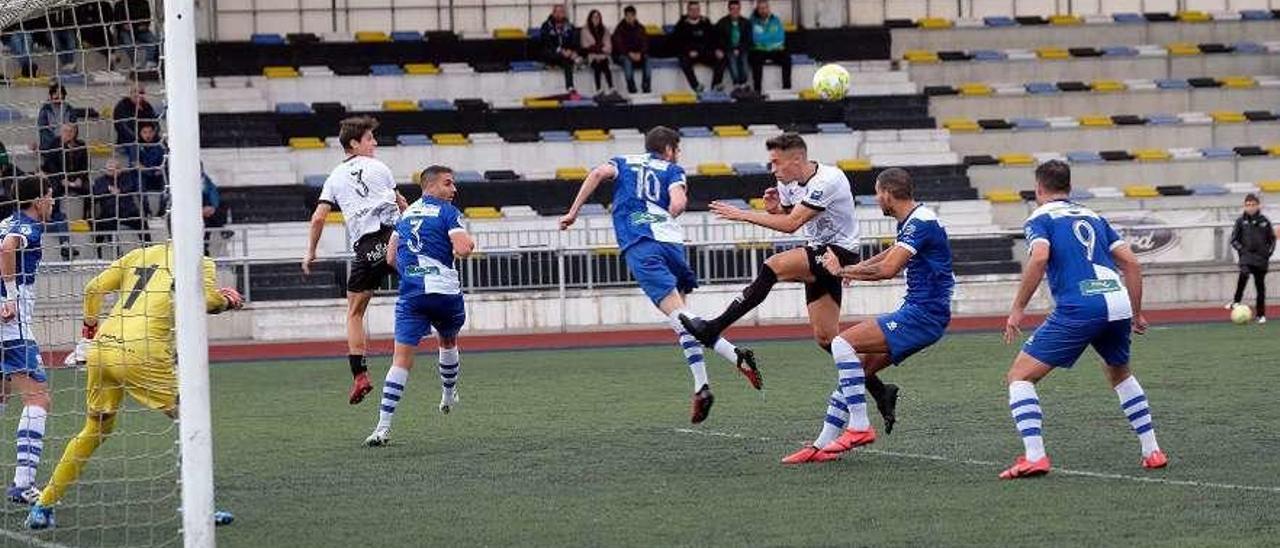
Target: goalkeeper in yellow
(131, 352)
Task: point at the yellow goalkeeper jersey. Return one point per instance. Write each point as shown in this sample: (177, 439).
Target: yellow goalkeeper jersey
(142, 318)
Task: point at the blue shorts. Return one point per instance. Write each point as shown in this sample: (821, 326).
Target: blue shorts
(660, 268)
(911, 329)
(416, 315)
(22, 356)
(1059, 344)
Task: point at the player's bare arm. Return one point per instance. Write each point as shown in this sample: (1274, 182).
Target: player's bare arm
(8, 272)
(1131, 271)
(772, 201)
(601, 173)
(679, 200)
(782, 222)
(463, 244)
(401, 203)
(885, 265)
(318, 219)
(1032, 273)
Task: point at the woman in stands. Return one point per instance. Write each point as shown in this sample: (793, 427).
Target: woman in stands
(597, 43)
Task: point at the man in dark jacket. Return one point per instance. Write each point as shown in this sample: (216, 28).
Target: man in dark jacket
(695, 41)
(734, 31)
(128, 114)
(134, 33)
(560, 44)
(1254, 240)
(631, 50)
(115, 204)
(67, 166)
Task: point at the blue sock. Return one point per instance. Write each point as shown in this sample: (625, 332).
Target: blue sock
(837, 418)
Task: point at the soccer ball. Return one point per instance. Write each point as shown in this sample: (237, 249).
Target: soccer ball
(1241, 314)
(831, 82)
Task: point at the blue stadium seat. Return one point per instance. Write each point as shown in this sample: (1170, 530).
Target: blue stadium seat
(1245, 47)
(1163, 119)
(668, 29)
(1084, 157)
(802, 59)
(293, 108)
(413, 140)
(1256, 15)
(1209, 189)
(1217, 152)
(1172, 83)
(406, 36)
(1041, 88)
(865, 200)
(690, 132)
(999, 21)
(267, 39)
(1128, 18)
(10, 114)
(1080, 194)
(314, 181)
(534, 33)
(593, 209)
(526, 66)
(468, 176)
(714, 96)
(1029, 123)
(664, 62)
(385, 69)
(750, 168)
(71, 79)
(556, 136)
(988, 55)
(1119, 51)
(578, 103)
(436, 104)
(834, 127)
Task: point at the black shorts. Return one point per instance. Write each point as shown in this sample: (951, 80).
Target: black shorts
(370, 268)
(824, 282)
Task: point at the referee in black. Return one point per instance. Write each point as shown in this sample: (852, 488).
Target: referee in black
(1253, 239)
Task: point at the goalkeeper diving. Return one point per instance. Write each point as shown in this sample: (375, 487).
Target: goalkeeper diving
(132, 351)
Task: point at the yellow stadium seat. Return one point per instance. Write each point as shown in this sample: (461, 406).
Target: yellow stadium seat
(1096, 120)
(1151, 155)
(1106, 86)
(591, 135)
(372, 36)
(1238, 82)
(809, 94)
(961, 125)
(1065, 20)
(757, 204)
(305, 143)
(482, 212)
(536, 102)
(1003, 196)
(101, 149)
(1228, 117)
(680, 98)
(334, 218)
(399, 105)
(418, 69)
(854, 164)
(1194, 16)
(753, 245)
(1183, 49)
(920, 56)
(653, 30)
(1053, 53)
(1141, 191)
(714, 168)
(32, 81)
(731, 131)
(1017, 159)
(1269, 186)
(606, 250)
(78, 225)
(1274, 150)
(789, 27)
(450, 139)
(974, 88)
(571, 173)
(104, 111)
(279, 72)
(510, 33)
(935, 23)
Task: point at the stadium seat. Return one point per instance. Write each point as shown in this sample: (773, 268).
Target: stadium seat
(1245, 47)
(279, 72)
(731, 131)
(1051, 52)
(555, 136)
(1241, 187)
(1193, 16)
(1217, 152)
(920, 56)
(1174, 190)
(1003, 196)
(1128, 120)
(1080, 194)
(1141, 191)
(1185, 154)
(1084, 52)
(998, 21)
(1065, 20)
(1096, 121)
(578, 103)
(1119, 51)
(1084, 157)
(293, 108)
(519, 211)
(1183, 49)
(334, 218)
(654, 30)
(757, 204)
(934, 23)
(399, 105)
(680, 98)
(1163, 119)
(1127, 18)
(450, 139)
(591, 209)
(267, 39)
(1062, 122)
(854, 164)
(538, 102)
(1116, 155)
(960, 125)
(1042, 88)
(1151, 155)
(571, 173)
(421, 69)
(1269, 186)
(1017, 159)
(834, 128)
(468, 176)
(1106, 86)
(412, 139)
(591, 135)
(314, 181)
(974, 89)
(1106, 192)
(1208, 189)
(751, 168)
(482, 213)
(510, 33)
(385, 69)
(1228, 117)
(994, 124)
(988, 55)
(305, 143)
(714, 96)
(1261, 116)
(372, 36)
(436, 104)
(693, 132)
(1249, 150)
(527, 66)
(406, 36)
(1256, 15)
(714, 168)
(952, 56)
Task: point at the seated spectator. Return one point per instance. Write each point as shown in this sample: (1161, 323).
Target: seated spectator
(133, 29)
(128, 113)
(597, 43)
(212, 208)
(17, 37)
(149, 157)
(67, 166)
(734, 32)
(115, 204)
(768, 44)
(631, 50)
(7, 169)
(62, 25)
(53, 114)
(694, 40)
(96, 20)
(560, 44)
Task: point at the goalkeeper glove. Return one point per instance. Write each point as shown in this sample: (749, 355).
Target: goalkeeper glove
(234, 300)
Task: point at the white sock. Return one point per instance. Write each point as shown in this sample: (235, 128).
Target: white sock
(837, 418)
(1024, 405)
(392, 390)
(30, 442)
(448, 367)
(692, 350)
(1133, 402)
(726, 350)
(852, 382)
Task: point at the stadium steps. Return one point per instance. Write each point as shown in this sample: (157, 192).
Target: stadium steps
(285, 281)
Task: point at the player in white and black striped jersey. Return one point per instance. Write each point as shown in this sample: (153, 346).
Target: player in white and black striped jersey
(363, 188)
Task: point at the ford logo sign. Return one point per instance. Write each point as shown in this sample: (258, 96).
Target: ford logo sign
(1150, 239)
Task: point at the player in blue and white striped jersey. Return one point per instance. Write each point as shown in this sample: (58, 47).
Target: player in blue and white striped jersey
(1097, 290)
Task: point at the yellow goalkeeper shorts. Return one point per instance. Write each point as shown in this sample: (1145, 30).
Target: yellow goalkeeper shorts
(116, 369)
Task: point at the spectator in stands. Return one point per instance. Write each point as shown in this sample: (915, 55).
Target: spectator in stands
(95, 20)
(53, 114)
(735, 41)
(128, 113)
(149, 159)
(115, 204)
(768, 44)
(133, 32)
(560, 44)
(1254, 239)
(62, 26)
(211, 207)
(694, 40)
(17, 38)
(631, 49)
(67, 166)
(597, 43)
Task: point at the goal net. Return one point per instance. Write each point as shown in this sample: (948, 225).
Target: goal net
(83, 108)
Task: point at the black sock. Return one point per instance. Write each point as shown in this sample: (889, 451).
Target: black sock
(751, 297)
(357, 364)
(875, 387)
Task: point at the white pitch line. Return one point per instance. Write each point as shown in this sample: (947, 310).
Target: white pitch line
(30, 540)
(989, 464)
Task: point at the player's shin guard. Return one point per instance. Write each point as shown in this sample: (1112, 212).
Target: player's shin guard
(852, 379)
(837, 417)
(74, 457)
(392, 390)
(1024, 405)
(693, 355)
(30, 442)
(448, 367)
(1133, 402)
(751, 297)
